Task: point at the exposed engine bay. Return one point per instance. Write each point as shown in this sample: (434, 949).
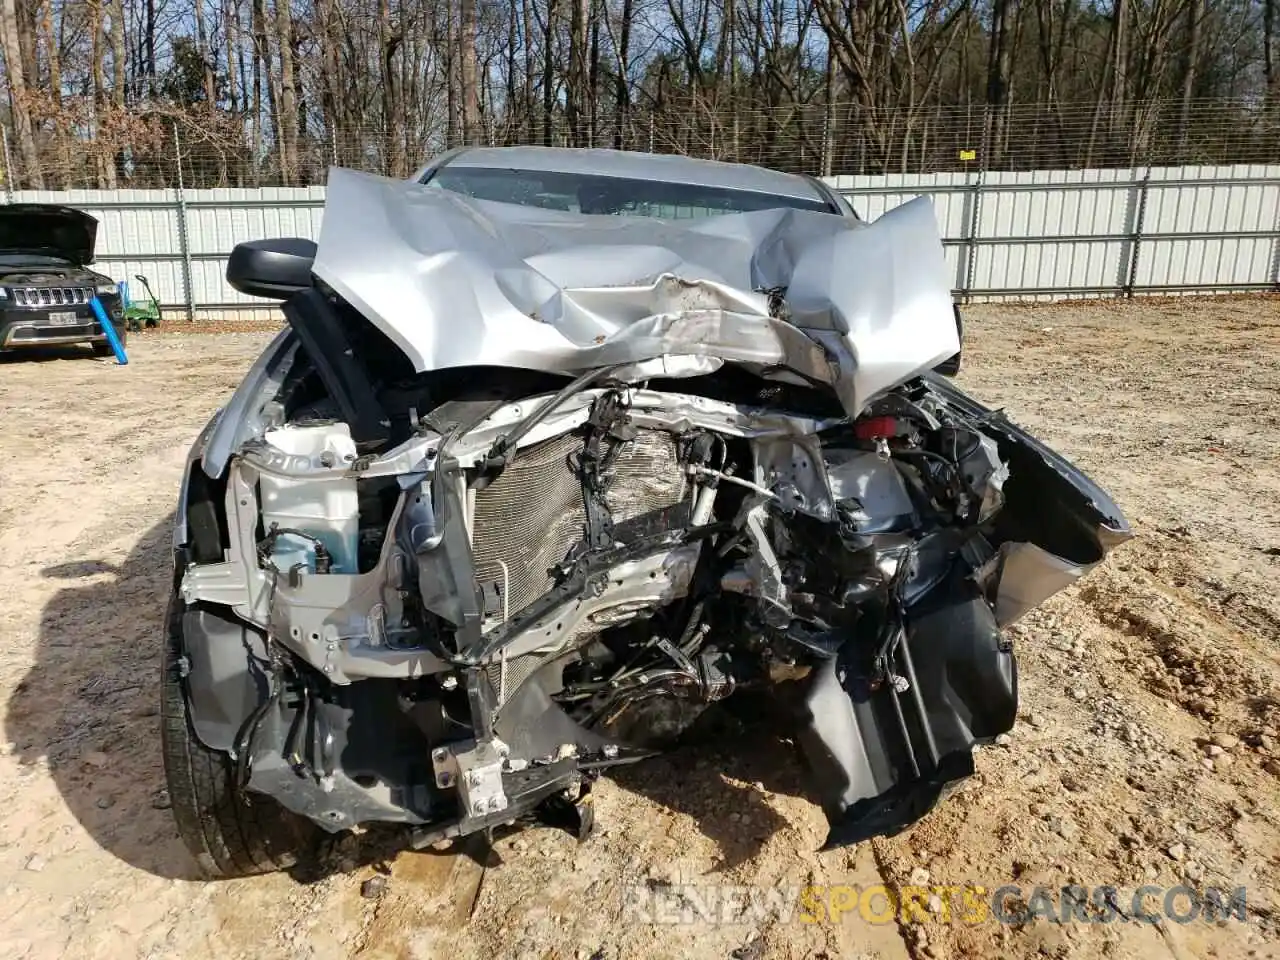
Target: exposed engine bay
(459, 594)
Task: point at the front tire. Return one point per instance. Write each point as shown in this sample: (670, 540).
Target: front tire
(230, 833)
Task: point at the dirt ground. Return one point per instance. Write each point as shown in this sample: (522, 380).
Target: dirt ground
(1147, 750)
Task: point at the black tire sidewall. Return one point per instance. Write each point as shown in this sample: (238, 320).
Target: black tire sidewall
(229, 832)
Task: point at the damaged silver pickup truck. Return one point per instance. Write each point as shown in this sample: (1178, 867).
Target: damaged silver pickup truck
(560, 449)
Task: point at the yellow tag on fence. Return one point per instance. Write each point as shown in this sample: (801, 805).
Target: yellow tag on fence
(968, 154)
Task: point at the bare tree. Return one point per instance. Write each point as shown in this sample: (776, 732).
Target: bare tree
(61, 135)
(1270, 52)
(288, 105)
(470, 90)
(280, 88)
(549, 71)
(1003, 15)
(621, 82)
(19, 107)
(576, 85)
(1194, 14)
(206, 58)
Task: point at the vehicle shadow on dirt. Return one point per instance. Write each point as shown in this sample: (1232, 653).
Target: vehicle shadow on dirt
(69, 351)
(722, 778)
(88, 709)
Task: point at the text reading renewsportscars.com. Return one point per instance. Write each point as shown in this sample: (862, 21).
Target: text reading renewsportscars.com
(968, 904)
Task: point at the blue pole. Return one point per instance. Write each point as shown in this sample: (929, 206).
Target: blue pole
(109, 330)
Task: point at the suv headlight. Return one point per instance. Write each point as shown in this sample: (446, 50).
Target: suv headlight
(109, 289)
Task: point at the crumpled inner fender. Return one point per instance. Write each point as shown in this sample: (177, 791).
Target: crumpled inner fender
(882, 756)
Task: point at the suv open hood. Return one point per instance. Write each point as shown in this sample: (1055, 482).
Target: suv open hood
(48, 230)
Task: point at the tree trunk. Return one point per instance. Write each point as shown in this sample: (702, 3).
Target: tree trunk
(288, 107)
(300, 136)
(104, 164)
(392, 102)
(575, 92)
(241, 65)
(731, 48)
(829, 115)
(331, 97)
(549, 73)
(262, 70)
(451, 82)
(998, 77)
(470, 95)
(257, 109)
(513, 98)
(621, 95)
(909, 82)
(206, 55)
(118, 84)
(1270, 52)
(1044, 37)
(593, 77)
(62, 133)
(149, 41)
(229, 37)
(1051, 63)
(404, 87)
(18, 106)
(1191, 60)
(54, 55)
(526, 15)
(1104, 89)
(1271, 70)
(27, 10)
(851, 40)
(1119, 67)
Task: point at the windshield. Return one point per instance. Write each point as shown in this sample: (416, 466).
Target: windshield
(617, 196)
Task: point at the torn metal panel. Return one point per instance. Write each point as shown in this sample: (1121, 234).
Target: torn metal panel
(1027, 576)
(455, 281)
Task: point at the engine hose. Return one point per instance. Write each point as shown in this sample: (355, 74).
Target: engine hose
(504, 448)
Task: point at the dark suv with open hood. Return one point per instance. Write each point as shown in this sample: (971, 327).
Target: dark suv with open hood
(45, 285)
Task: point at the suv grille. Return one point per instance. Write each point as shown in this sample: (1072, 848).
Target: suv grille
(52, 296)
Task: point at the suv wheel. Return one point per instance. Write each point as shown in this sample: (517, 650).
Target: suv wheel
(229, 832)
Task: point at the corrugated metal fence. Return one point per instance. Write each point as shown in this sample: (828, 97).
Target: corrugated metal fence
(1038, 234)
(1067, 233)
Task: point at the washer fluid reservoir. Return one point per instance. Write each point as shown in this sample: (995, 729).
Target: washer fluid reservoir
(325, 507)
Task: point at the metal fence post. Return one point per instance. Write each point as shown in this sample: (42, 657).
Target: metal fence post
(971, 238)
(1275, 263)
(975, 213)
(1135, 240)
(184, 245)
(826, 146)
(1275, 257)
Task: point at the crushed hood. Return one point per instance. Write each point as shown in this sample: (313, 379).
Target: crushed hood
(47, 230)
(456, 281)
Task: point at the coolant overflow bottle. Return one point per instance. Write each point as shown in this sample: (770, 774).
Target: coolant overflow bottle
(318, 499)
